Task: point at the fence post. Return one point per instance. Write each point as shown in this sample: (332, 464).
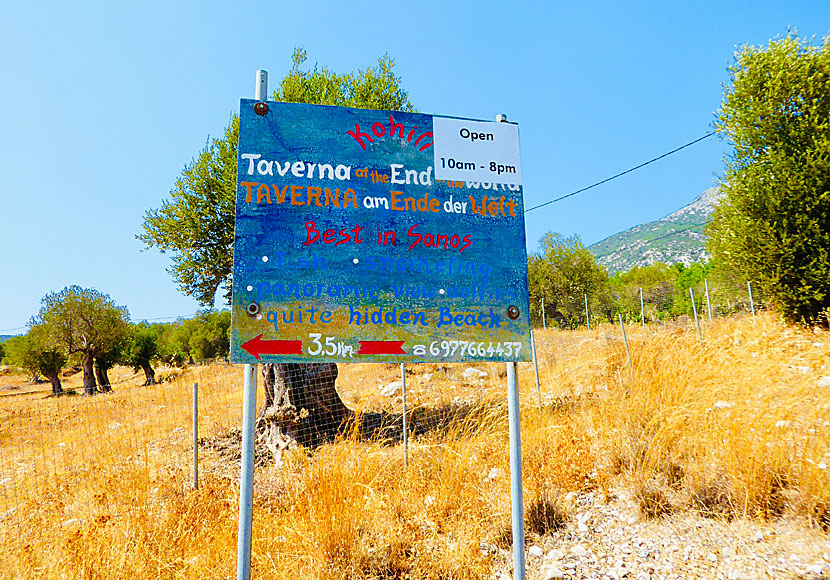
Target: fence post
(642, 310)
(694, 309)
(536, 368)
(751, 301)
(195, 435)
(625, 341)
(544, 323)
(587, 316)
(708, 301)
(405, 438)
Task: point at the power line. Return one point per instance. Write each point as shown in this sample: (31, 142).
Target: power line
(658, 158)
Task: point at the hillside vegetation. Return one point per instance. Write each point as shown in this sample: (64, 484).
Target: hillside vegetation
(734, 426)
(678, 238)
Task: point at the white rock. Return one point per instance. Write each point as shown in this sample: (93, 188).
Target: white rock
(553, 572)
(391, 389)
(824, 382)
(578, 550)
(426, 377)
(582, 527)
(724, 405)
(804, 370)
(556, 554)
(495, 473)
(783, 424)
(817, 569)
(429, 500)
(471, 374)
(535, 551)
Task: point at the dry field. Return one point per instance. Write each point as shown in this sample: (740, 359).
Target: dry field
(733, 428)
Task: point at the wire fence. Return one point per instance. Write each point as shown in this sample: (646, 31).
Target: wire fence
(75, 451)
(655, 304)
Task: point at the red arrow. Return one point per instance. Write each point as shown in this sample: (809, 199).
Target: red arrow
(257, 346)
(381, 347)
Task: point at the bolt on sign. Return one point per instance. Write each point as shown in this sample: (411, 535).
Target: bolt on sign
(377, 236)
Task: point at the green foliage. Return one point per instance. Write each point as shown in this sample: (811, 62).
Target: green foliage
(86, 322)
(35, 353)
(196, 224)
(372, 88)
(2, 352)
(144, 346)
(690, 277)
(83, 320)
(773, 225)
(659, 284)
(207, 335)
(562, 273)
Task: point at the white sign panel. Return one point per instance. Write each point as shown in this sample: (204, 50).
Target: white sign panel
(479, 151)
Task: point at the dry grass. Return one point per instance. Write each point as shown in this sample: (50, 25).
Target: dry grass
(736, 426)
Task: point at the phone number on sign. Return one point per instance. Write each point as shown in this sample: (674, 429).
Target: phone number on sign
(451, 348)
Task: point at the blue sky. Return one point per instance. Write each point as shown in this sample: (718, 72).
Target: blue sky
(104, 103)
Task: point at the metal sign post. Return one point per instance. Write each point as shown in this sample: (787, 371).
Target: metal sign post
(246, 477)
(516, 496)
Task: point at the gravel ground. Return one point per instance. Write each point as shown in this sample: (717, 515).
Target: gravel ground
(610, 540)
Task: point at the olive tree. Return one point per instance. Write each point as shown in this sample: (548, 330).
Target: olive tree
(35, 352)
(85, 322)
(773, 224)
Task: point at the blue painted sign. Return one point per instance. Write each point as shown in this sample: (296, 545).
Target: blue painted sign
(348, 248)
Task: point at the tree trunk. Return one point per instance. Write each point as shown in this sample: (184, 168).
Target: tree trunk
(89, 374)
(102, 376)
(301, 406)
(55, 379)
(149, 374)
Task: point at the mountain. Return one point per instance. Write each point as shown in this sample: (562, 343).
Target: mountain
(678, 237)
